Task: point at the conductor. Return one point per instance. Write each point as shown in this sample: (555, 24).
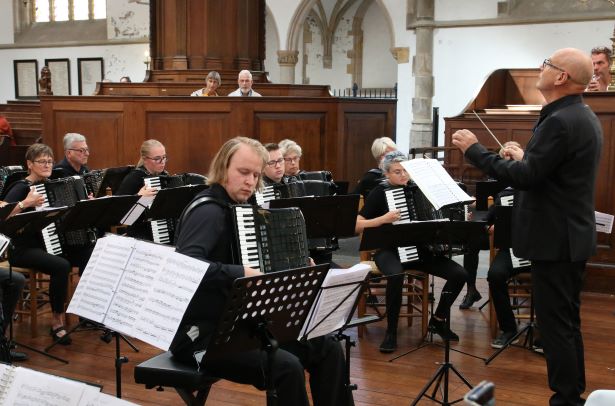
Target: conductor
(553, 212)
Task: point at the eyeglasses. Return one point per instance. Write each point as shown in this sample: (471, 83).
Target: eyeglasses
(275, 163)
(82, 150)
(158, 159)
(44, 162)
(547, 62)
(293, 160)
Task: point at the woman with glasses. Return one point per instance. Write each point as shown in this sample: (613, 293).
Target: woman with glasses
(28, 251)
(292, 155)
(151, 163)
(375, 213)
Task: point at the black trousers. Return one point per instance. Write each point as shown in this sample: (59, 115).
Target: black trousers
(56, 267)
(499, 273)
(388, 263)
(470, 264)
(322, 357)
(557, 287)
(11, 286)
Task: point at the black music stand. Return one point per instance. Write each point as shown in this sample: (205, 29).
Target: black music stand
(325, 216)
(487, 188)
(502, 233)
(101, 213)
(170, 202)
(26, 224)
(250, 323)
(112, 179)
(429, 232)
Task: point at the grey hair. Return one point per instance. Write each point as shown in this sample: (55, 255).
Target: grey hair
(289, 146)
(69, 138)
(215, 76)
(380, 145)
(391, 158)
(245, 72)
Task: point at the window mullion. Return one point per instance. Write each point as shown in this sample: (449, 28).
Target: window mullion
(52, 14)
(71, 10)
(90, 9)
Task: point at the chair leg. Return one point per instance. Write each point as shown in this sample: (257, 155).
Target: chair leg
(33, 284)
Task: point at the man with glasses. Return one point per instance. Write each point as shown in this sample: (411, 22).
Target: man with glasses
(601, 59)
(274, 170)
(555, 224)
(76, 154)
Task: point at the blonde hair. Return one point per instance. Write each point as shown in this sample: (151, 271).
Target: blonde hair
(380, 145)
(146, 147)
(289, 146)
(218, 169)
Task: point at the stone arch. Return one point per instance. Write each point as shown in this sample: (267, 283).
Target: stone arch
(295, 28)
(275, 25)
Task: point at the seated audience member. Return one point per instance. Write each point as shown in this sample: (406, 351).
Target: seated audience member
(213, 82)
(28, 251)
(601, 59)
(76, 154)
(245, 85)
(207, 233)
(380, 147)
(292, 155)
(125, 79)
(470, 260)
(151, 163)
(375, 213)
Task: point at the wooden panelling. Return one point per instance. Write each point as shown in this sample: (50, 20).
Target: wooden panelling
(330, 130)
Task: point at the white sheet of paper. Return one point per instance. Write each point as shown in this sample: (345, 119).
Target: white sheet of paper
(604, 222)
(322, 309)
(135, 211)
(435, 183)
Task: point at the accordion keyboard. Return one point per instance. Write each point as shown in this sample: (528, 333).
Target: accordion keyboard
(51, 239)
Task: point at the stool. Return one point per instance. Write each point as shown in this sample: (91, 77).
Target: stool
(165, 371)
(32, 304)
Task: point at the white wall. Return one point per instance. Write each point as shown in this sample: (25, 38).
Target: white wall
(272, 45)
(379, 66)
(471, 9)
(464, 57)
(6, 22)
(127, 20)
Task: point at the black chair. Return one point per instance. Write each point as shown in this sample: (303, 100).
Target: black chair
(165, 371)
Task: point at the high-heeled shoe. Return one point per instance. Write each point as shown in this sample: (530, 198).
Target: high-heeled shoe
(60, 339)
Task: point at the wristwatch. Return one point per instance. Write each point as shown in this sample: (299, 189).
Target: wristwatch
(21, 206)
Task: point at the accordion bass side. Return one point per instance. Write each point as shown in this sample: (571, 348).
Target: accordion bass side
(270, 240)
(93, 180)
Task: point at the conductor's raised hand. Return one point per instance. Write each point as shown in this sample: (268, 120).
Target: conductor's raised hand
(513, 152)
(464, 139)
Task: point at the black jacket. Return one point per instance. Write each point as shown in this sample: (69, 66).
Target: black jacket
(553, 211)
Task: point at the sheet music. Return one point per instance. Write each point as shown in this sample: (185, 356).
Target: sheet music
(330, 298)
(137, 288)
(604, 222)
(135, 212)
(435, 183)
(4, 243)
(32, 388)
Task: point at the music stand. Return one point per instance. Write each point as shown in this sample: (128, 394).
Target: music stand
(428, 232)
(249, 322)
(112, 179)
(502, 233)
(325, 216)
(101, 213)
(26, 224)
(169, 203)
(487, 188)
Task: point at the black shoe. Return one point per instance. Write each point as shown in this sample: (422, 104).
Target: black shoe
(439, 327)
(469, 299)
(537, 346)
(17, 356)
(389, 344)
(504, 339)
(60, 339)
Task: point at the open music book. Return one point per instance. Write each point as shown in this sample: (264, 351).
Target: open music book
(435, 183)
(336, 301)
(604, 222)
(26, 387)
(137, 288)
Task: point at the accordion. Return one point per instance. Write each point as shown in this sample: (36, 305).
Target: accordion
(414, 206)
(58, 193)
(8, 175)
(270, 240)
(93, 180)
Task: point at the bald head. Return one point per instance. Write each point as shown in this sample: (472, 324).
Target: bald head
(577, 63)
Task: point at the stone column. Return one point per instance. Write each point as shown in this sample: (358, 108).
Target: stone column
(287, 61)
(420, 132)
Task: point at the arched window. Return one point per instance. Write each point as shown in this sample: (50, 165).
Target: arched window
(68, 10)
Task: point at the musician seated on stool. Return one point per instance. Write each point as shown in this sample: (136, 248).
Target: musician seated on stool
(11, 285)
(151, 163)
(213, 82)
(380, 147)
(207, 233)
(28, 251)
(274, 170)
(375, 213)
(76, 154)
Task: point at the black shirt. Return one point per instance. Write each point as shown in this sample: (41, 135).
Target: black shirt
(133, 182)
(368, 182)
(376, 203)
(17, 192)
(68, 170)
(207, 234)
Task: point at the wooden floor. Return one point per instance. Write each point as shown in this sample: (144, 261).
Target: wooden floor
(519, 374)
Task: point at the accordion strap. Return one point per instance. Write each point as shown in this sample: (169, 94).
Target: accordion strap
(196, 203)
